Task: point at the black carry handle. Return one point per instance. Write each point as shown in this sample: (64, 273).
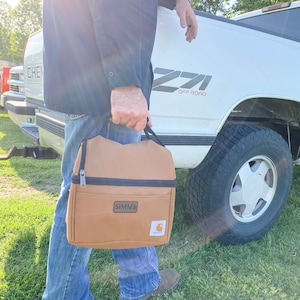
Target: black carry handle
(149, 131)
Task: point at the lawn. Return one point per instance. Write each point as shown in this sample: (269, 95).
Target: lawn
(265, 269)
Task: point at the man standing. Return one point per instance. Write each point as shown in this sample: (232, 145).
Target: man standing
(97, 70)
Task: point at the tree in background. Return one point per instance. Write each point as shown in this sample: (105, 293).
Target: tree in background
(210, 6)
(27, 18)
(4, 30)
(19, 23)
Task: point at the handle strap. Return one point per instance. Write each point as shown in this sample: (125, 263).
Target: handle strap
(151, 135)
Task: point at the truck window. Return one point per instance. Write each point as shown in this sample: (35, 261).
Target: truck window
(285, 23)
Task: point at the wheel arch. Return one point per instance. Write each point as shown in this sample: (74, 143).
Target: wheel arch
(281, 115)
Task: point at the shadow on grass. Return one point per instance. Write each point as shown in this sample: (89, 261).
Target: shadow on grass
(25, 267)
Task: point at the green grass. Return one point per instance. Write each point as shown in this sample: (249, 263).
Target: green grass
(265, 269)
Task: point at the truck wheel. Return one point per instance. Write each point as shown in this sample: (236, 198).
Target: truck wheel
(238, 192)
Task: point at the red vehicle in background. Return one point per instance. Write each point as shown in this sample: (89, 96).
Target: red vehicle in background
(4, 78)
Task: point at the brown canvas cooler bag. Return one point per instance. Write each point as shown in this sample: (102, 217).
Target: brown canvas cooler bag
(121, 196)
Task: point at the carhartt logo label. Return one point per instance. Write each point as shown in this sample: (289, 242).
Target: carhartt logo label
(158, 228)
(125, 206)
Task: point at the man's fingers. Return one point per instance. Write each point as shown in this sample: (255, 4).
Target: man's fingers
(182, 18)
(139, 126)
(131, 121)
(149, 120)
(115, 118)
(191, 33)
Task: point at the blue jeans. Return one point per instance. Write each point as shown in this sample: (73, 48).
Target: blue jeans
(67, 272)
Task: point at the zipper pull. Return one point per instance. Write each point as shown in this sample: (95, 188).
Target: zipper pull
(82, 178)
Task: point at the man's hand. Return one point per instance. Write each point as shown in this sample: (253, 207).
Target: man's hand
(129, 107)
(187, 19)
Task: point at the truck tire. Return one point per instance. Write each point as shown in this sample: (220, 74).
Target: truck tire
(238, 192)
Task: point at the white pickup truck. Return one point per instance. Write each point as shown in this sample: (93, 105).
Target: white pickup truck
(227, 106)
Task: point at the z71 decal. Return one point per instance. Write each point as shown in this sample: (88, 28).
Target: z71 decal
(193, 80)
